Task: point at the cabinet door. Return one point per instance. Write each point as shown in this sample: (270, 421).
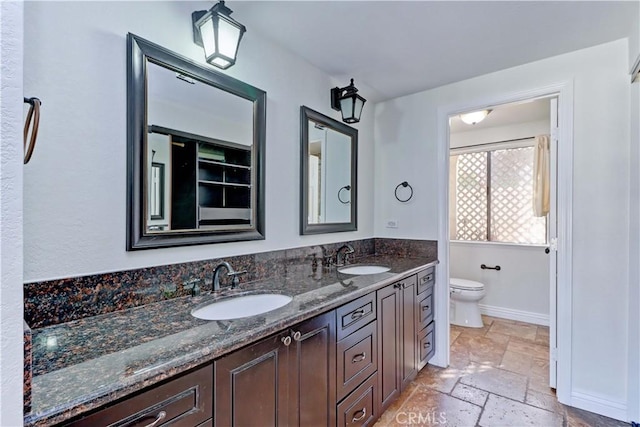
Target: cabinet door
(312, 389)
(251, 385)
(389, 333)
(408, 359)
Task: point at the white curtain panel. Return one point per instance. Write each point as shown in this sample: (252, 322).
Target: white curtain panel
(541, 176)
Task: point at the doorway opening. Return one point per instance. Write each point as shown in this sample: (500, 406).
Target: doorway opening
(502, 218)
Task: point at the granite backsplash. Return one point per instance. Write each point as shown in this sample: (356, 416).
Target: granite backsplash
(53, 302)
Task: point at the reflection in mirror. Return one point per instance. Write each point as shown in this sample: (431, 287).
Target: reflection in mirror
(210, 177)
(329, 175)
(156, 192)
(196, 152)
(329, 159)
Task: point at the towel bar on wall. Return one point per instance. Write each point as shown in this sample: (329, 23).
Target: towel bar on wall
(33, 114)
(404, 184)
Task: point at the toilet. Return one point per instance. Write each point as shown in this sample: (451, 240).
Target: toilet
(465, 295)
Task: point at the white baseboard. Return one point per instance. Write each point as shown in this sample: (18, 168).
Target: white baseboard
(600, 405)
(511, 314)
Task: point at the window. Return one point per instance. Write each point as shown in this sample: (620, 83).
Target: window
(492, 196)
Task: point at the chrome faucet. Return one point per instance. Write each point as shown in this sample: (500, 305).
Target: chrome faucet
(342, 255)
(230, 272)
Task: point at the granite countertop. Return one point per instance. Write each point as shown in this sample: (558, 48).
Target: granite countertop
(84, 364)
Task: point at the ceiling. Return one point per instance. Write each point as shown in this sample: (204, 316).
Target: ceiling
(394, 48)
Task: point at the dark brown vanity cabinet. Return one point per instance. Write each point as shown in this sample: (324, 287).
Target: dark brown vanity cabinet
(424, 319)
(185, 401)
(396, 339)
(357, 362)
(286, 379)
(341, 368)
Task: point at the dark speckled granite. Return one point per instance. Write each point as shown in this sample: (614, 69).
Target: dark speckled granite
(406, 247)
(90, 361)
(58, 301)
(28, 373)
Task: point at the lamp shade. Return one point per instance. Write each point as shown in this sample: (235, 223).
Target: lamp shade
(349, 103)
(218, 34)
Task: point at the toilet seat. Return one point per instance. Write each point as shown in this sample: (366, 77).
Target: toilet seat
(465, 285)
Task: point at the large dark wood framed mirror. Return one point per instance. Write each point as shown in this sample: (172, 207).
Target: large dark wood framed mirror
(329, 162)
(207, 130)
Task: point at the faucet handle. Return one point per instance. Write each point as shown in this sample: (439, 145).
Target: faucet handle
(328, 261)
(235, 281)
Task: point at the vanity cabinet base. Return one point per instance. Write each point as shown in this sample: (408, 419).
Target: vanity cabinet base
(185, 401)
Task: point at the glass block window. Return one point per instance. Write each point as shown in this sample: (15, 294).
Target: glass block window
(494, 197)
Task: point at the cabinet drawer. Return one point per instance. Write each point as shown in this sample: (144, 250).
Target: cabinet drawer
(359, 408)
(426, 345)
(356, 314)
(357, 358)
(425, 308)
(426, 279)
(184, 401)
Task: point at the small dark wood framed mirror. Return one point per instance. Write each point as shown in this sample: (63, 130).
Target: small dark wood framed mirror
(196, 142)
(329, 163)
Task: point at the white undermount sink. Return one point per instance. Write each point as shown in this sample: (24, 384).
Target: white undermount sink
(363, 269)
(236, 307)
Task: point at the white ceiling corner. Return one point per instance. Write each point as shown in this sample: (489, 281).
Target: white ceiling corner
(402, 47)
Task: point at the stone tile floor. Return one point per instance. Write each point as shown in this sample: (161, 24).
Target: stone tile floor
(498, 376)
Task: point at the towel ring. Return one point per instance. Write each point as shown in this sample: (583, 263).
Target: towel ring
(404, 184)
(34, 113)
(348, 188)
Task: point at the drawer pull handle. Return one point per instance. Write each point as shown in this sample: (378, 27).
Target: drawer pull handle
(425, 308)
(357, 314)
(286, 340)
(161, 416)
(362, 413)
(427, 345)
(297, 336)
(427, 278)
(359, 357)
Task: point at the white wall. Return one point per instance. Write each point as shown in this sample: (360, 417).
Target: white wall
(634, 257)
(75, 190)
(11, 211)
(520, 290)
(406, 148)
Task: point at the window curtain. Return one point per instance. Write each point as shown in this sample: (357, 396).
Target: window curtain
(541, 176)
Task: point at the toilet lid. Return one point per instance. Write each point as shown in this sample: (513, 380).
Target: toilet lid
(464, 284)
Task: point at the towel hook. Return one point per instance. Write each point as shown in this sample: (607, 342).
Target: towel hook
(34, 113)
(404, 184)
(348, 188)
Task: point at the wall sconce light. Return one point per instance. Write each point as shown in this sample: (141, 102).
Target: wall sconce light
(474, 117)
(348, 102)
(218, 33)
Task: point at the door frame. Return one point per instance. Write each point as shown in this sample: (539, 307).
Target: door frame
(564, 92)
